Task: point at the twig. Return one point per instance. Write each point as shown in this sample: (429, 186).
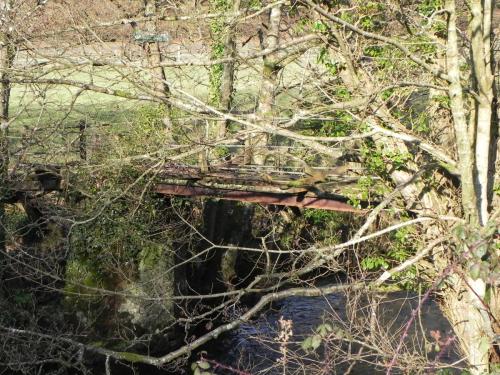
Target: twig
(225, 367)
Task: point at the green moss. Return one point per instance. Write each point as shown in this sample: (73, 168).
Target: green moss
(221, 152)
(228, 263)
(81, 272)
(98, 344)
(150, 256)
(16, 221)
(255, 4)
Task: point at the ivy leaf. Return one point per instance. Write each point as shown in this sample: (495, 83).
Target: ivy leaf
(459, 232)
(315, 342)
(475, 270)
(324, 329)
(319, 26)
(480, 250)
(306, 344)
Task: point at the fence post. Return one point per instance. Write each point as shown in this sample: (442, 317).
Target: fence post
(82, 125)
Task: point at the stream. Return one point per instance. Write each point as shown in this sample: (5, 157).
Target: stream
(252, 348)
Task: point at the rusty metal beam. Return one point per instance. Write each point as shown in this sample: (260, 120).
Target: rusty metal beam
(281, 199)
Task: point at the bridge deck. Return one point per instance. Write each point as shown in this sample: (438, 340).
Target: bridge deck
(254, 184)
(280, 199)
(258, 185)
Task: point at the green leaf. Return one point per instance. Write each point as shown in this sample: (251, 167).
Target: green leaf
(490, 229)
(480, 250)
(459, 232)
(324, 329)
(484, 344)
(319, 26)
(475, 270)
(428, 347)
(487, 295)
(485, 270)
(315, 342)
(306, 344)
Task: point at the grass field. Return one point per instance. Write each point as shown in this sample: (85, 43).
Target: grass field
(46, 117)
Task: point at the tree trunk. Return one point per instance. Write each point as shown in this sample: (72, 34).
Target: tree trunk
(255, 152)
(155, 58)
(221, 75)
(227, 84)
(471, 322)
(464, 300)
(482, 12)
(462, 132)
(7, 55)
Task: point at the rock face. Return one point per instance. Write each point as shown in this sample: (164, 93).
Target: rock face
(139, 310)
(148, 304)
(120, 279)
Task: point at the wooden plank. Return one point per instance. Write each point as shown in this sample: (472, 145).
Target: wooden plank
(282, 199)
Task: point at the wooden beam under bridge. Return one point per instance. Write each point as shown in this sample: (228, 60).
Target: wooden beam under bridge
(281, 199)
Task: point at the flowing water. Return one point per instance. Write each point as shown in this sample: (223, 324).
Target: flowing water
(252, 348)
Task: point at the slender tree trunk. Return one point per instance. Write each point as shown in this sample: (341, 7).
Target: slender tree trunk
(7, 55)
(227, 84)
(256, 146)
(462, 132)
(465, 299)
(155, 58)
(221, 75)
(481, 56)
(471, 322)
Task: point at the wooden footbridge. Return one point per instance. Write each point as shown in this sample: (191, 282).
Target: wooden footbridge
(258, 184)
(254, 184)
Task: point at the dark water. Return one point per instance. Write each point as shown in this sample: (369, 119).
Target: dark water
(252, 348)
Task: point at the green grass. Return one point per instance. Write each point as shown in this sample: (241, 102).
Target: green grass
(45, 117)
